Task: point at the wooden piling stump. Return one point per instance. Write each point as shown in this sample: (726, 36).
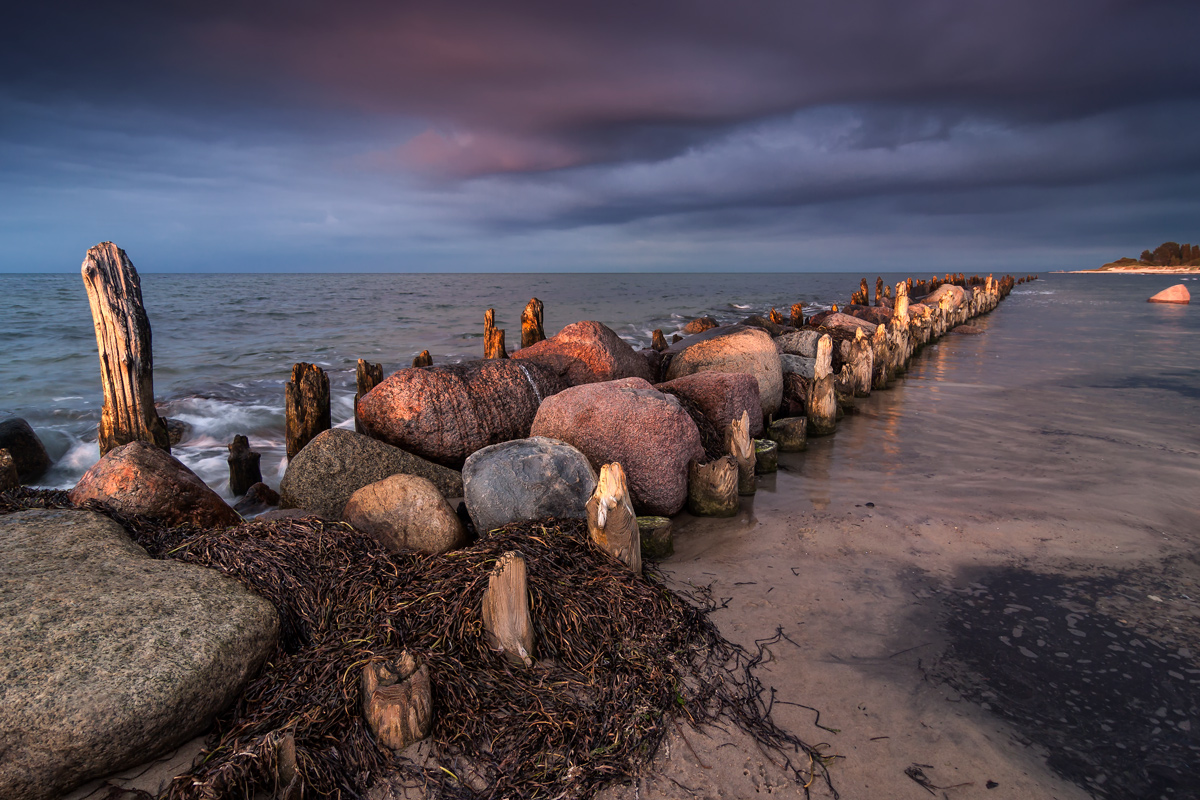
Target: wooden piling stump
(712, 488)
(506, 610)
(610, 518)
(531, 323)
(423, 359)
(658, 341)
(797, 319)
(366, 377)
(655, 533)
(114, 293)
(307, 405)
(398, 701)
(741, 447)
(493, 337)
(244, 470)
(766, 456)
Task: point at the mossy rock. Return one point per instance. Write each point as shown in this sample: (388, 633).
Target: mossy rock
(657, 542)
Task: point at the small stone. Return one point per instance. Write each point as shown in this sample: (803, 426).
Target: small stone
(27, 451)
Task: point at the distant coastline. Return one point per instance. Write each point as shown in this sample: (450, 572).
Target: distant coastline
(1169, 258)
(1120, 269)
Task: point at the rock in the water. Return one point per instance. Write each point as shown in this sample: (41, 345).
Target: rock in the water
(657, 541)
(526, 479)
(406, 512)
(1176, 294)
(790, 433)
(587, 352)
(733, 349)
(139, 478)
(446, 413)
(766, 456)
(844, 322)
(338, 462)
(799, 343)
(755, 321)
(109, 657)
(631, 423)
(967, 330)
(258, 498)
(722, 396)
(28, 453)
(176, 430)
(700, 325)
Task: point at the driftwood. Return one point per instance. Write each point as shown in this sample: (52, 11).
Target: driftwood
(611, 521)
(506, 610)
(493, 337)
(398, 701)
(288, 782)
(423, 359)
(797, 315)
(244, 470)
(114, 293)
(531, 323)
(658, 341)
(712, 488)
(366, 377)
(741, 447)
(766, 456)
(8, 472)
(307, 402)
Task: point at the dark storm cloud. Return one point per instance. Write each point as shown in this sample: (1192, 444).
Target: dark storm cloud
(527, 116)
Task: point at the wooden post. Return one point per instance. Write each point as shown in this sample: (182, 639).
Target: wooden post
(611, 521)
(506, 610)
(8, 472)
(775, 316)
(244, 470)
(766, 455)
(531, 323)
(797, 315)
(493, 337)
(712, 488)
(114, 292)
(822, 402)
(878, 291)
(366, 378)
(741, 447)
(307, 405)
(423, 360)
(398, 701)
(861, 363)
(658, 341)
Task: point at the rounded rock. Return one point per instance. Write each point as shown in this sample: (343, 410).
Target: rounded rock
(406, 512)
(526, 479)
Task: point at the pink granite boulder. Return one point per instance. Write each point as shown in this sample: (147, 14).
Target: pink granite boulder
(587, 352)
(628, 421)
(141, 479)
(1176, 294)
(722, 396)
(732, 348)
(446, 413)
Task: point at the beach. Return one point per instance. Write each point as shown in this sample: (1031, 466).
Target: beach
(1059, 442)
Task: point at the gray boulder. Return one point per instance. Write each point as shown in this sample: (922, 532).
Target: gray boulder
(107, 656)
(526, 479)
(28, 453)
(338, 462)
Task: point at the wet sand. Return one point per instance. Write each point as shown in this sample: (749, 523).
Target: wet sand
(1015, 486)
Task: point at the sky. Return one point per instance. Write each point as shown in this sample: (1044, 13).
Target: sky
(656, 135)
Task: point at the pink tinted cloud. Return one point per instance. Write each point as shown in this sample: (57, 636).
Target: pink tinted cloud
(464, 155)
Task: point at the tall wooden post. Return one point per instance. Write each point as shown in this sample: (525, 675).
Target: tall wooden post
(822, 402)
(366, 377)
(493, 337)
(610, 518)
(741, 447)
(307, 401)
(114, 292)
(797, 319)
(531, 323)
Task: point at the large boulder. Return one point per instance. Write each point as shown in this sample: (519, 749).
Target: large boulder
(732, 349)
(109, 657)
(722, 396)
(587, 352)
(956, 294)
(28, 453)
(140, 479)
(629, 422)
(876, 314)
(406, 512)
(526, 479)
(1175, 294)
(843, 322)
(338, 462)
(700, 325)
(799, 343)
(446, 413)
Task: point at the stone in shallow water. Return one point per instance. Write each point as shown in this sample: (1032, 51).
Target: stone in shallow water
(1175, 294)
(107, 656)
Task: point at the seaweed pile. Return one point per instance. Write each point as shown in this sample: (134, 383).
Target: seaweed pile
(619, 660)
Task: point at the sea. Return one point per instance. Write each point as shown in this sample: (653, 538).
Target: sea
(224, 344)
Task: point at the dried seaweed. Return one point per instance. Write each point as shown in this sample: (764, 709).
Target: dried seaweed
(619, 659)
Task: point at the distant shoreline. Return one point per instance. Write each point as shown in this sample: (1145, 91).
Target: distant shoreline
(1135, 271)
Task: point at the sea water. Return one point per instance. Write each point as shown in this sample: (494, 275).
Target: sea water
(224, 344)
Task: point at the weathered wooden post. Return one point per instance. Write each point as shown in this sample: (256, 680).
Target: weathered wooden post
(611, 521)
(114, 292)
(307, 406)
(741, 447)
(244, 470)
(8, 472)
(493, 337)
(712, 488)
(879, 291)
(506, 610)
(881, 356)
(398, 701)
(531, 323)
(423, 359)
(822, 402)
(797, 319)
(658, 341)
(861, 361)
(366, 377)
(775, 316)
